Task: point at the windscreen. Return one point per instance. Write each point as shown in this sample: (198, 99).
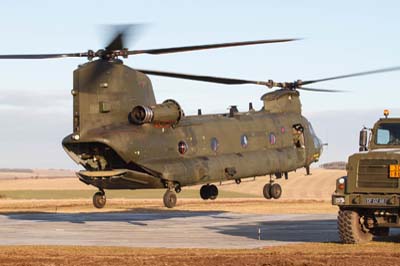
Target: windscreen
(388, 134)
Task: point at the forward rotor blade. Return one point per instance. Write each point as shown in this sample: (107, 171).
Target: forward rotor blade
(42, 56)
(204, 47)
(383, 70)
(319, 90)
(221, 80)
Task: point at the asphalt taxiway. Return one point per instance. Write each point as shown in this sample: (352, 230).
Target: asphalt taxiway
(173, 229)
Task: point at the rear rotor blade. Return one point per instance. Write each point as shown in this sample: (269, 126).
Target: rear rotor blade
(383, 70)
(204, 47)
(120, 34)
(221, 80)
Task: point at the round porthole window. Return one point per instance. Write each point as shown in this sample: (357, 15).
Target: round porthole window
(182, 147)
(244, 141)
(272, 138)
(214, 144)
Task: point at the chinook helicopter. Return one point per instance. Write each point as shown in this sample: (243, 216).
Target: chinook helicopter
(125, 140)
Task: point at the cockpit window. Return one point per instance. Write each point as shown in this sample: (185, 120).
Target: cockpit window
(388, 134)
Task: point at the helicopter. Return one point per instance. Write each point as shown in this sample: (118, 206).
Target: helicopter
(125, 140)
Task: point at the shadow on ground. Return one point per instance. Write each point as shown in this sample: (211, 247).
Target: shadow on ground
(294, 231)
(134, 216)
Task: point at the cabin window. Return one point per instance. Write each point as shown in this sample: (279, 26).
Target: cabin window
(214, 144)
(244, 141)
(298, 135)
(182, 147)
(272, 138)
(388, 134)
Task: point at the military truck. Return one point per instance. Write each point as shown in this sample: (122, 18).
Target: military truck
(369, 196)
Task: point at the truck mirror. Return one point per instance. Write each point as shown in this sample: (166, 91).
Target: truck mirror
(363, 139)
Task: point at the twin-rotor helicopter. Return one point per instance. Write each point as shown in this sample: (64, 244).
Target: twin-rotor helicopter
(125, 140)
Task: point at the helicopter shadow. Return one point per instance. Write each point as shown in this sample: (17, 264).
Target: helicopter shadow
(137, 216)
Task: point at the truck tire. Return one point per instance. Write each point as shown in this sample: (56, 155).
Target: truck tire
(350, 228)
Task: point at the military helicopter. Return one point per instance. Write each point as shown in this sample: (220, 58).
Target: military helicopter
(125, 140)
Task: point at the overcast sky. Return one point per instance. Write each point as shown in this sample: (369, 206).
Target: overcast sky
(339, 37)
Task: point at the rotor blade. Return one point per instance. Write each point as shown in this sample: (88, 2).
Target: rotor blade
(383, 70)
(204, 47)
(121, 33)
(42, 56)
(319, 90)
(221, 80)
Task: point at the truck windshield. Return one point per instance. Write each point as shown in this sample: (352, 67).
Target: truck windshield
(388, 134)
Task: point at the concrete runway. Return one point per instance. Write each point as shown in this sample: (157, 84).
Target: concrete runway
(174, 229)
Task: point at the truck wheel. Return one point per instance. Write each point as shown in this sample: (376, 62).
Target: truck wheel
(351, 229)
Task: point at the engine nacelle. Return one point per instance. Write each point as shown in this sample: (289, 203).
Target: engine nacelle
(169, 113)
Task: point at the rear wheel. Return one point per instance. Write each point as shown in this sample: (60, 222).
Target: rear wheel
(352, 228)
(213, 192)
(266, 191)
(204, 192)
(276, 191)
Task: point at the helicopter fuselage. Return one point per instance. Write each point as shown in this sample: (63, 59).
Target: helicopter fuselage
(196, 150)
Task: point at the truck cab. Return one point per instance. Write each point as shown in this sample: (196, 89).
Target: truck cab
(368, 197)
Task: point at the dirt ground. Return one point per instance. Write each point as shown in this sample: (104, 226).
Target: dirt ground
(371, 254)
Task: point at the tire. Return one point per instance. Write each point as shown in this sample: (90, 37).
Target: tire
(350, 228)
(99, 200)
(204, 192)
(170, 199)
(213, 192)
(276, 191)
(267, 191)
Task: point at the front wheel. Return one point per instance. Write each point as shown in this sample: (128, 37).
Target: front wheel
(170, 199)
(352, 228)
(99, 200)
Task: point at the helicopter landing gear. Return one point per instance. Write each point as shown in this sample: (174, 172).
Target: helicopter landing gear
(170, 199)
(308, 172)
(276, 191)
(209, 192)
(99, 199)
(267, 191)
(272, 190)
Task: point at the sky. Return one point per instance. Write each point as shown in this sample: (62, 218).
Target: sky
(338, 37)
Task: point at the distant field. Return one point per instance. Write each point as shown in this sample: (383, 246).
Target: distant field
(301, 194)
(318, 186)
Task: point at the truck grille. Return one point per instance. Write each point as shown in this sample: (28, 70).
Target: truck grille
(374, 173)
